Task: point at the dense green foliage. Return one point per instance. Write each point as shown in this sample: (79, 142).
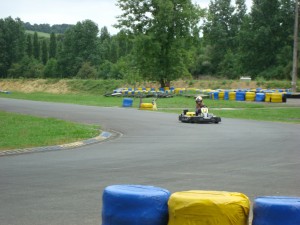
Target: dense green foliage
(159, 40)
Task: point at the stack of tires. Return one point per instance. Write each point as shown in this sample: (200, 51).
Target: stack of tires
(276, 97)
(135, 205)
(221, 95)
(232, 95)
(270, 210)
(240, 96)
(250, 96)
(146, 106)
(127, 102)
(260, 97)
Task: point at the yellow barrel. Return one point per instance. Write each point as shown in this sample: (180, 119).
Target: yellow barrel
(208, 208)
(250, 96)
(221, 95)
(232, 95)
(268, 97)
(276, 97)
(146, 106)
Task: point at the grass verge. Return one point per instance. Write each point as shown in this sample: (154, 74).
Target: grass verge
(23, 131)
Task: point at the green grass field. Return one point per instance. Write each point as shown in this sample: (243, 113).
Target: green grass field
(23, 131)
(40, 34)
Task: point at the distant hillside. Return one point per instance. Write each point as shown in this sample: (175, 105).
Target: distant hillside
(40, 34)
(46, 28)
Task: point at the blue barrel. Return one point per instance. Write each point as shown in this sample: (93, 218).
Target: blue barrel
(127, 102)
(216, 95)
(226, 95)
(240, 96)
(279, 210)
(135, 205)
(260, 97)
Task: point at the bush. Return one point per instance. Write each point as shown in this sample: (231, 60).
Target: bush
(87, 71)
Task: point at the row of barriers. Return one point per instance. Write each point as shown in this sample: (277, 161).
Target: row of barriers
(275, 97)
(258, 94)
(138, 204)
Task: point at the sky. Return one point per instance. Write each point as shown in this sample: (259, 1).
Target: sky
(102, 12)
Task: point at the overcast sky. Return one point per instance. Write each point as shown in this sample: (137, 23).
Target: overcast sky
(102, 12)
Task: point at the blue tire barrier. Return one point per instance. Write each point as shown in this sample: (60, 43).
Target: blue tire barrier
(135, 205)
(240, 96)
(216, 95)
(260, 97)
(127, 102)
(226, 95)
(279, 210)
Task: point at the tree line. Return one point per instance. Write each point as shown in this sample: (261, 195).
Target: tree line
(160, 40)
(47, 28)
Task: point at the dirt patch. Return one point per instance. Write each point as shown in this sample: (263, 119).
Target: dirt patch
(215, 84)
(40, 85)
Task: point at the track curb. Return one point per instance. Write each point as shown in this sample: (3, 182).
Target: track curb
(104, 136)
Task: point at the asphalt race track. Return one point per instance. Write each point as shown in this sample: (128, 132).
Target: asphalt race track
(152, 148)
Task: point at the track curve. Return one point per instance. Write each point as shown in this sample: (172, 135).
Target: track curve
(65, 187)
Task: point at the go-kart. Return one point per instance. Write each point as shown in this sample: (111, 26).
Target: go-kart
(202, 117)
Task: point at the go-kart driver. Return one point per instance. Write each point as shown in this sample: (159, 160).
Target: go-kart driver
(199, 105)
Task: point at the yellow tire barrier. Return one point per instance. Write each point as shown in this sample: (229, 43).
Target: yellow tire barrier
(232, 96)
(221, 95)
(146, 106)
(276, 97)
(208, 208)
(268, 97)
(250, 96)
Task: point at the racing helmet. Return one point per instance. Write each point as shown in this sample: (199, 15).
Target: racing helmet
(199, 99)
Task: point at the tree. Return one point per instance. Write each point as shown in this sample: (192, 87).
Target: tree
(29, 46)
(105, 45)
(52, 46)
(12, 43)
(51, 69)
(221, 31)
(260, 38)
(87, 71)
(44, 52)
(36, 46)
(162, 29)
(80, 45)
